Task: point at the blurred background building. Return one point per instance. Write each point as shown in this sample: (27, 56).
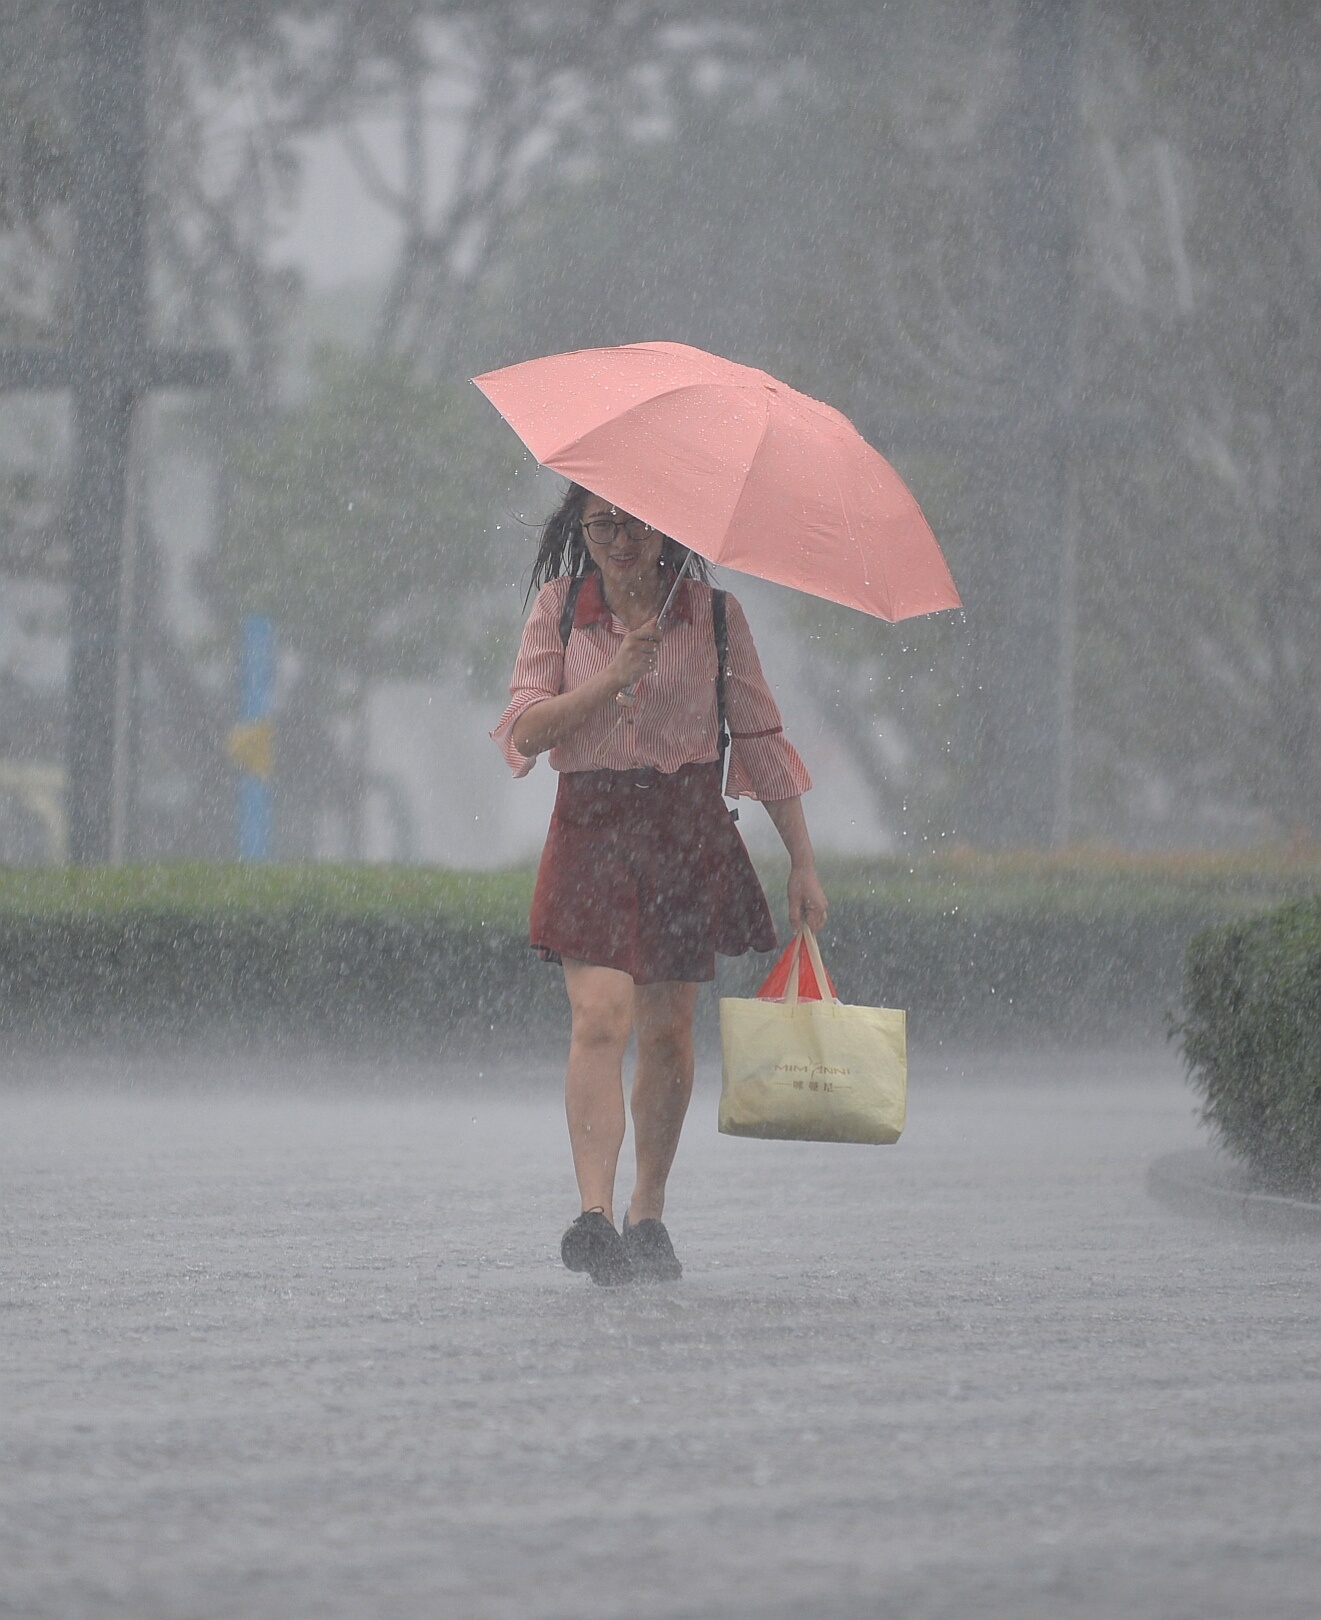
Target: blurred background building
(1061, 261)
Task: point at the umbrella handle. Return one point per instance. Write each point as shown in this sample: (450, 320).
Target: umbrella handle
(628, 697)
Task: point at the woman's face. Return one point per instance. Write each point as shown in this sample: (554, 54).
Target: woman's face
(626, 550)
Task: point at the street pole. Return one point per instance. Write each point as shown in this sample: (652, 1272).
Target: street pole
(252, 745)
(108, 342)
(1018, 578)
(126, 658)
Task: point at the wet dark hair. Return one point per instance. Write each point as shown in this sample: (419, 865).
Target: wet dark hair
(564, 551)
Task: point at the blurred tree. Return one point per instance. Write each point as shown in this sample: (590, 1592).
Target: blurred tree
(360, 523)
(35, 225)
(363, 524)
(35, 231)
(454, 116)
(235, 87)
(489, 102)
(33, 539)
(35, 174)
(1197, 704)
(1200, 669)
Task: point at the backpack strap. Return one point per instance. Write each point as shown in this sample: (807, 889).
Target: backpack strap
(570, 607)
(720, 628)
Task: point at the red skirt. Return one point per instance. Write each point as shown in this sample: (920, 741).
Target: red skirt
(646, 872)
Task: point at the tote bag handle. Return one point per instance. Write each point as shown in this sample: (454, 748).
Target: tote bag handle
(807, 937)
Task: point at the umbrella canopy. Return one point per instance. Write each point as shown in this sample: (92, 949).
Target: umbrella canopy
(739, 467)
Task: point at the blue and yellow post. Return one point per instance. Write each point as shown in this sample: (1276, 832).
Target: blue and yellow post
(252, 741)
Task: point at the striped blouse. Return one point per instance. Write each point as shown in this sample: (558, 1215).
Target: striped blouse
(674, 720)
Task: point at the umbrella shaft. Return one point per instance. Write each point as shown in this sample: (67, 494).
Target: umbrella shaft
(626, 696)
(674, 591)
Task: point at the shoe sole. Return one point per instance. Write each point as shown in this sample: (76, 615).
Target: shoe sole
(621, 1281)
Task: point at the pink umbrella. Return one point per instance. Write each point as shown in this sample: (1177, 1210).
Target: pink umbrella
(740, 468)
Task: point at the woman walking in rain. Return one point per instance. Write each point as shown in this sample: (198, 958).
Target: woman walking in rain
(644, 876)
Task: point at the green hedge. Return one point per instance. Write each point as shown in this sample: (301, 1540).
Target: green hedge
(1252, 1039)
(350, 957)
(426, 960)
(1079, 945)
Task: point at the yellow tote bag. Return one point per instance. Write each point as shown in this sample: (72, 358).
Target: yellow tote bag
(812, 1071)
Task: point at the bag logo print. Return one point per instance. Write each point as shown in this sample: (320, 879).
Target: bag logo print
(814, 1077)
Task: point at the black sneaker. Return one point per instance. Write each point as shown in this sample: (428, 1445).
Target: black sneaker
(649, 1248)
(592, 1245)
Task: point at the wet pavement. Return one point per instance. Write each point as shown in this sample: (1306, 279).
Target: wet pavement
(274, 1348)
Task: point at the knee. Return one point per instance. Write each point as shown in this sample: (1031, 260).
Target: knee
(669, 1041)
(602, 1025)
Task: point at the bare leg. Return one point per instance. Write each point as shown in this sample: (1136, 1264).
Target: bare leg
(602, 1003)
(662, 1087)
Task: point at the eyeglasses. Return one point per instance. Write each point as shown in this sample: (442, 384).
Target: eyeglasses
(604, 531)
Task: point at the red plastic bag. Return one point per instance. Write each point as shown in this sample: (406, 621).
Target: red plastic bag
(777, 980)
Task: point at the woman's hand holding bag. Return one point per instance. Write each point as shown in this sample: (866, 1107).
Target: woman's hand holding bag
(811, 1070)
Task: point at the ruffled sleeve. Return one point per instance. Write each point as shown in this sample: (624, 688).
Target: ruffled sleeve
(538, 670)
(763, 763)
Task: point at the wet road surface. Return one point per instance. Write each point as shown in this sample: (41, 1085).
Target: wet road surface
(281, 1349)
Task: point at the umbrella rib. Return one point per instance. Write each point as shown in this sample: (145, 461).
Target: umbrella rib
(572, 444)
(756, 451)
(747, 471)
(666, 393)
(863, 557)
